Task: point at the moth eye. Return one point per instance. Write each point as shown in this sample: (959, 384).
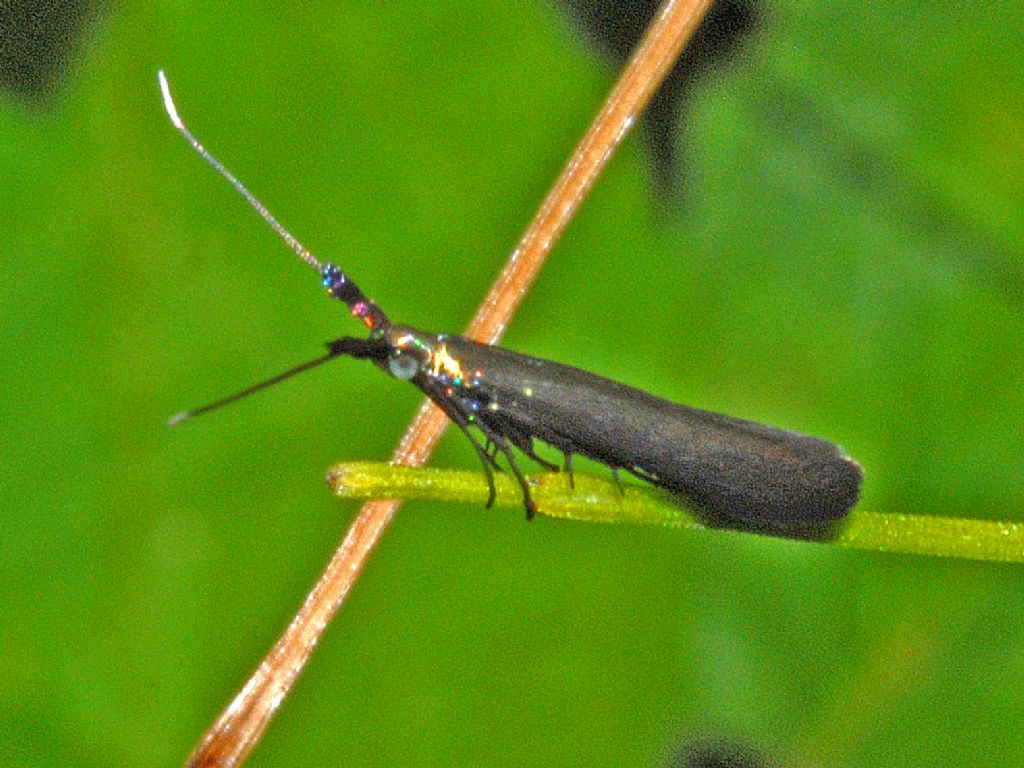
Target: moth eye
(403, 366)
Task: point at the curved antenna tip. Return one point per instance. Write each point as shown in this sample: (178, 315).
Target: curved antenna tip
(165, 90)
(179, 418)
(179, 124)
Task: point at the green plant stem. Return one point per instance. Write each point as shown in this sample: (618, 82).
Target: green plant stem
(594, 499)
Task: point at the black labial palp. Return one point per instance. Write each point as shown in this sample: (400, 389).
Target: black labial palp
(739, 472)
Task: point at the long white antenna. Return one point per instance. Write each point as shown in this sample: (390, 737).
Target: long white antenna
(172, 112)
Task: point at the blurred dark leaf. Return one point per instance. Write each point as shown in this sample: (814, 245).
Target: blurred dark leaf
(38, 41)
(720, 754)
(616, 26)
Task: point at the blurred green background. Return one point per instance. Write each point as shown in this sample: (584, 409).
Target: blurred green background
(847, 261)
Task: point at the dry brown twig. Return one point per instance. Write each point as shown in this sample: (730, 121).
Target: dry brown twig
(236, 732)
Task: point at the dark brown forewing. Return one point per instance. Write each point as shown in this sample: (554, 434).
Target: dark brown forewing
(736, 470)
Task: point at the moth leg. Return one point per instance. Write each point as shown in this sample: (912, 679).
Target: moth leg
(618, 480)
(487, 459)
(502, 445)
(531, 507)
(568, 468)
(490, 448)
(525, 444)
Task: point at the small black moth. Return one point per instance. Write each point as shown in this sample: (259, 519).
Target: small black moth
(737, 471)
